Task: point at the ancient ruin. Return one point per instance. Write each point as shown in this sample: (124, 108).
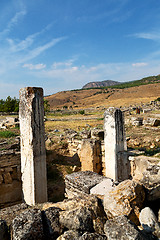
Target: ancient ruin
(33, 153)
(114, 196)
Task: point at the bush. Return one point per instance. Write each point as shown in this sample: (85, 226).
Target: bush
(158, 99)
(82, 112)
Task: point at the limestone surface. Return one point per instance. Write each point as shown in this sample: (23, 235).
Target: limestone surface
(103, 187)
(79, 219)
(126, 199)
(149, 221)
(52, 227)
(28, 225)
(146, 170)
(120, 228)
(80, 183)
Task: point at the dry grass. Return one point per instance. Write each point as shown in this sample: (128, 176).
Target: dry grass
(77, 125)
(105, 98)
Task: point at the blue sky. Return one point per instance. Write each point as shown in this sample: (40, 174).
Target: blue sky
(63, 44)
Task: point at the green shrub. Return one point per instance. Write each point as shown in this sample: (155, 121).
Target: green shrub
(82, 112)
(158, 99)
(7, 134)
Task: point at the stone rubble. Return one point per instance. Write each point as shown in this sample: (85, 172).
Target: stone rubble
(81, 182)
(85, 216)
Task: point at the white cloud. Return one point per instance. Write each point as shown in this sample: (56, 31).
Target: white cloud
(150, 35)
(140, 64)
(37, 51)
(19, 45)
(75, 77)
(36, 66)
(13, 22)
(65, 64)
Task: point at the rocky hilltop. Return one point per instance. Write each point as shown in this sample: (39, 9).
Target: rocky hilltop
(97, 84)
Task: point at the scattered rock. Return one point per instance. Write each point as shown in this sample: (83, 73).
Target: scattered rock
(52, 227)
(93, 236)
(137, 121)
(79, 219)
(120, 228)
(152, 122)
(88, 201)
(28, 225)
(9, 213)
(149, 221)
(69, 235)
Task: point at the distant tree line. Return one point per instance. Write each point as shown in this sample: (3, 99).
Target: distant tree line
(9, 105)
(12, 105)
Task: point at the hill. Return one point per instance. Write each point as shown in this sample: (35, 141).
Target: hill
(99, 84)
(129, 93)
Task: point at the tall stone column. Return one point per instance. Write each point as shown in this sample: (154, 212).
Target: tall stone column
(116, 161)
(33, 154)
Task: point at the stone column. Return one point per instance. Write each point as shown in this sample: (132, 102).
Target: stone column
(116, 162)
(33, 154)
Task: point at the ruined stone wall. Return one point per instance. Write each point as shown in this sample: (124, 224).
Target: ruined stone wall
(10, 178)
(91, 153)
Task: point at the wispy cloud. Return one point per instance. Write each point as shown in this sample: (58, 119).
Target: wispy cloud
(139, 64)
(65, 64)
(13, 22)
(112, 13)
(150, 35)
(37, 51)
(34, 67)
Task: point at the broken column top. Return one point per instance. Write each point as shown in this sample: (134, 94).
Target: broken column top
(111, 111)
(31, 90)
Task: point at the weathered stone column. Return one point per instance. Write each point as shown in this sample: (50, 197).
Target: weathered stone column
(33, 154)
(90, 156)
(116, 161)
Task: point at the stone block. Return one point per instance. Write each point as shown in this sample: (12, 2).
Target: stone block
(103, 187)
(1, 179)
(126, 199)
(80, 183)
(7, 178)
(90, 156)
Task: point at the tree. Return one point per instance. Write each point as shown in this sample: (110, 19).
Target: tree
(46, 106)
(9, 105)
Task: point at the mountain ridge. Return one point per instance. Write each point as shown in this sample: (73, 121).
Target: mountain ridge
(98, 84)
